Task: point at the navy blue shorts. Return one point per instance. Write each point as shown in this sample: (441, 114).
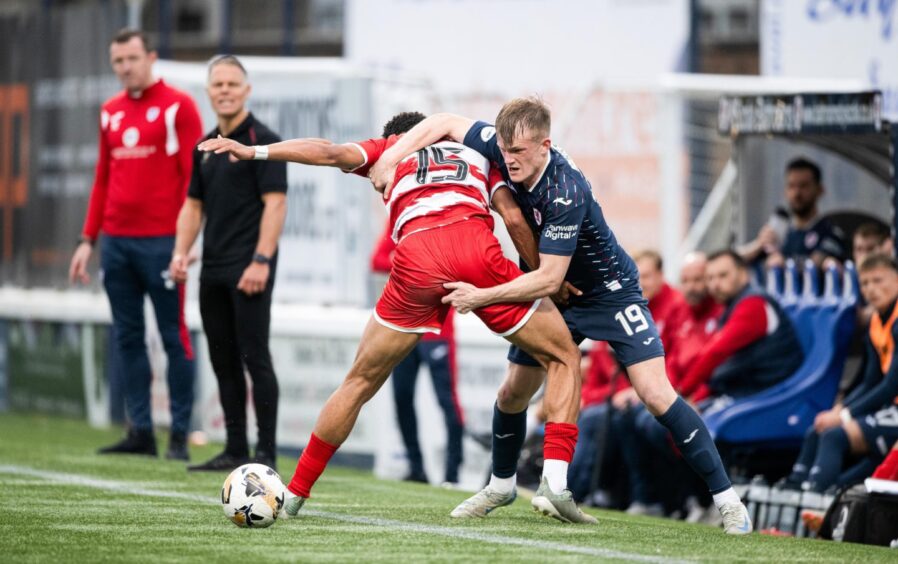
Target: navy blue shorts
(880, 430)
(624, 321)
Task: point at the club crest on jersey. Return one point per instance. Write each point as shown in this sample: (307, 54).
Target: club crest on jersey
(152, 113)
(538, 217)
(130, 137)
(811, 239)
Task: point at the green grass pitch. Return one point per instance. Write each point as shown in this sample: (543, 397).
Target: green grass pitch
(62, 503)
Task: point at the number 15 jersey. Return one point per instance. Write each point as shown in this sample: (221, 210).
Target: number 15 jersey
(438, 185)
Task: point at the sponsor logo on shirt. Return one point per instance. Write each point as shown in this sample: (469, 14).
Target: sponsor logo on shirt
(562, 201)
(152, 113)
(487, 133)
(556, 232)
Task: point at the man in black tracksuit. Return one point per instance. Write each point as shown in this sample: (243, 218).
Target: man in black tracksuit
(244, 204)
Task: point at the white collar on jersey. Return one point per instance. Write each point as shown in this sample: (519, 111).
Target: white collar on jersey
(542, 172)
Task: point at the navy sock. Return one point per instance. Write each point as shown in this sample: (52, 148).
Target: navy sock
(693, 439)
(805, 458)
(828, 463)
(509, 430)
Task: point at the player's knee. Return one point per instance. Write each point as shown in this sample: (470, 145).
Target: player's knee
(657, 399)
(511, 399)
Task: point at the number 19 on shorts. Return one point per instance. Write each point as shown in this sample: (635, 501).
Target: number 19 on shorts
(632, 320)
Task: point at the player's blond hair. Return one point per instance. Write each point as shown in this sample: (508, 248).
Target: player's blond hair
(523, 114)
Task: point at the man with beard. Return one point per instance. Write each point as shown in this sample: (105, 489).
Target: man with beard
(807, 235)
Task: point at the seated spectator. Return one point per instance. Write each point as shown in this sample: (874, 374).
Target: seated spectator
(866, 422)
(868, 239)
(756, 345)
(697, 327)
(871, 239)
(802, 233)
(604, 376)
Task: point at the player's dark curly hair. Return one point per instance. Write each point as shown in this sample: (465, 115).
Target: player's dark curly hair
(402, 122)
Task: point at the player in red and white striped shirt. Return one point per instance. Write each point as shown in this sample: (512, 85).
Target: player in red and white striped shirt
(439, 217)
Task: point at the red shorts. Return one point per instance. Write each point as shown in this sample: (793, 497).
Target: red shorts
(466, 251)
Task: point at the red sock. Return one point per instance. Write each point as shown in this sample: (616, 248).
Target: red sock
(310, 466)
(888, 469)
(559, 441)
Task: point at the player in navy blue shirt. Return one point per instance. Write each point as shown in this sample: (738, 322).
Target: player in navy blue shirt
(592, 278)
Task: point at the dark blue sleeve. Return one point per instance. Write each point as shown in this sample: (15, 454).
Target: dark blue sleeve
(482, 138)
(882, 394)
(561, 226)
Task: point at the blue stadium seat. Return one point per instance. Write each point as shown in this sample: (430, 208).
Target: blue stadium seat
(774, 283)
(781, 414)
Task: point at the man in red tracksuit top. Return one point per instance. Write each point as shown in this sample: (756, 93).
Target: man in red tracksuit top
(147, 135)
(438, 352)
(756, 345)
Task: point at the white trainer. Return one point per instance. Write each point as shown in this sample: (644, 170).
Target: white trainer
(735, 519)
(482, 503)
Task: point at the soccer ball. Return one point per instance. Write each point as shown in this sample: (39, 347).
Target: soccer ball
(252, 496)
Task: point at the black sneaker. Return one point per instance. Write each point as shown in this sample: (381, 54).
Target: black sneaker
(177, 447)
(267, 458)
(416, 476)
(137, 442)
(224, 461)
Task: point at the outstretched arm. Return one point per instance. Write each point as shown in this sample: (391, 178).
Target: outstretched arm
(317, 152)
(428, 132)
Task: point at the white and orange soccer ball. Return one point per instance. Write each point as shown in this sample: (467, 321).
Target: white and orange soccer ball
(252, 496)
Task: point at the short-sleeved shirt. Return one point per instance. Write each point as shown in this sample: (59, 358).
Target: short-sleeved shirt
(231, 193)
(436, 186)
(822, 237)
(563, 211)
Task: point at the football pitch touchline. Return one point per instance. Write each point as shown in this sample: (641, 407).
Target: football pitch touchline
(128, 488)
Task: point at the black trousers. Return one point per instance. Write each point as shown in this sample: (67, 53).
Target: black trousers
(237, 329)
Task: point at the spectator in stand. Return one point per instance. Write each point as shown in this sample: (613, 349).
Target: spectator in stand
(697, 328)
(669, 309)
(871, 239)
(147, 135)
(800, 232)
(438, 353)
(866, 422)
(756, 345)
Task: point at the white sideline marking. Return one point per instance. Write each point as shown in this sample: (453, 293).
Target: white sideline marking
(129, 488)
